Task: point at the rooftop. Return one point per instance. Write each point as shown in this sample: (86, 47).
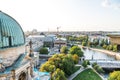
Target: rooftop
(11, 33)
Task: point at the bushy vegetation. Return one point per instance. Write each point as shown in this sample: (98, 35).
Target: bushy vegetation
(104, 46)
(114, 75)
(85, 63)
(84, 43)
(115, 48)
(103, 43)
(80, 38)
(110, 47)
(97, 68)
(97, 43)
(75, 58)
(61, 63)
(44, 51)
(64, 49)
(58, 75)
(76, 50)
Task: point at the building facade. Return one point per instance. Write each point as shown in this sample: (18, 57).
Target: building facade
(15, 62)
(115, 39)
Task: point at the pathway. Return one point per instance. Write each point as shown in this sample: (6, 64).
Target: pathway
(80, 70)
(75, 74)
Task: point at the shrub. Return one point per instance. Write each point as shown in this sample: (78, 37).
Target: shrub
(94, 64)
(110, 47)
(85, 63)
(84, 43)
(107, 48)
(115, 48)
(100, 70)
(104, 46)
(43, 51)
(97, 68)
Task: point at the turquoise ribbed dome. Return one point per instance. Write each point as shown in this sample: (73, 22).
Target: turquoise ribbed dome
(11, 33)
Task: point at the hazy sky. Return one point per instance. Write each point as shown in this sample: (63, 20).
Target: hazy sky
(69, 15)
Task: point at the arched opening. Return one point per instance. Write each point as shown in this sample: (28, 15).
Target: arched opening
(22, 76)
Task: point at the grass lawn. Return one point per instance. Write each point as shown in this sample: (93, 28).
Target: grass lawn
(87, 74)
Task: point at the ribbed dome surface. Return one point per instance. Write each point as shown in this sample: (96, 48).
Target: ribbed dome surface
(11, 34)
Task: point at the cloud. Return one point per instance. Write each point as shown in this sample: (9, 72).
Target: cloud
(106, 3)
(111, 4)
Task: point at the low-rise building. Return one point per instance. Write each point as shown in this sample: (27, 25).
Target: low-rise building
(60, 42)
(115, 39)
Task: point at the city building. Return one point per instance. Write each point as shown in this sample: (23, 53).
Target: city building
(60, 42)
(15, 62)
(115, 39)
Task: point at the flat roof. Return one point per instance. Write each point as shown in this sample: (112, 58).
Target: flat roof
(114, 35)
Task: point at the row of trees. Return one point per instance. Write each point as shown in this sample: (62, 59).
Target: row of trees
(96, 42)
(100, 43)
(74, 50)
(80, 38)
(110, 47)
(104, 43)
(94, 65)
(97, 68)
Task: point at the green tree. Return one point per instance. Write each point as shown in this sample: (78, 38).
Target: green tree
(110, 47)
(85, 63)
(95, 42)
(76, 50)
(100, 70)
(89, 44)
(58, 75)
(115, 48)
(43, 51)
(61, 61)
(47, 67)
(102, 42)
(107, 48)
(114, 75)
(75, 58)
(97, 68)
(64, 49)
(84, 43)
(68, 64)
(106, 42)
(104, 46)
